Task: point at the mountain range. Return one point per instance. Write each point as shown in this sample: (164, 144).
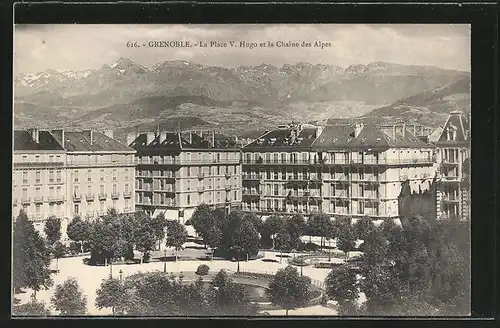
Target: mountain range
(126, 95)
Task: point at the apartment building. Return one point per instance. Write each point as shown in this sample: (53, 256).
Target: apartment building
(68, 174)
(365, 166)
(100, 171)
(281, 172)
(453, 165)
(354, 170)
(177, 171)
(38, 176)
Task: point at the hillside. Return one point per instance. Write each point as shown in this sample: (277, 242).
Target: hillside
(429, 107)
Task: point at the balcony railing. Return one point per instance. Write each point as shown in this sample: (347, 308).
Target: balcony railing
(227, 175)
(450, 178)
(201, 175)
(201, 188)
(38, 164)
(77, 197)
(115, 195)
(89, 197)
(103, 196)
(251, 177)
(451, 199)
(277, 162)
(450, 161)
(127, 194)
(250, 193)
(227, 188)
(38, 199)
(25, 200)
(56, 198)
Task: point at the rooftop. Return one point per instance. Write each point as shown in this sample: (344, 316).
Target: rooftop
(286, 137)
(23, 140)
(81, 142)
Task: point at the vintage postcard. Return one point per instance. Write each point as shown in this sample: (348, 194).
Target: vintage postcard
(241, 170)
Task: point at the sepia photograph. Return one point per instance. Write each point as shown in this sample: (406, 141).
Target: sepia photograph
(241, 170)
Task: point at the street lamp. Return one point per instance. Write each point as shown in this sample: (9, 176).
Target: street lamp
(165, 260)
(121, 275)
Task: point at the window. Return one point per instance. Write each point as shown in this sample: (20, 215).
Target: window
(218, 158)
(76, 209)
(361, 208)
(102, 175)
(126, 177)
(76, 176)
(218, 169)
(89, 176)
(114, 174)
(76, 190)
(276, 190)
(188, 184)
(37, 177)
(188, 199)
(126, 187)
(51, 191)
(58, 176)
(114, 189)
(89, 190)
(235, 195)
(59, 189)
(101, 206)
(101, 189)
(25, 193)
(114, 204)
(51, 176)
(25, 177)
(37, 209)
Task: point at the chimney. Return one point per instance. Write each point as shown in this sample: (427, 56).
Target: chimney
(150, 136)
(35, 134)
(58, 134)
(163, 136)
(89, 134)
(109, 133)
(131, 137)
(358, 127)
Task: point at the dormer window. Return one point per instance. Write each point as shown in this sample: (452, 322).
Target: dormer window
(451, 133)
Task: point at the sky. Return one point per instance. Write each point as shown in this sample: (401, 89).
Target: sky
(79, 47)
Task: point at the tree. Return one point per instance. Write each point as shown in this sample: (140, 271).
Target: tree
(202, 219)
(288, 289)
(202, 270)
(246, 237)
(79, 231)
(158, 225)
(272, 225)
(31, 256)
(68, 299)
(341, 286)
(52, 229)
(59, 250)
(176, 235)
(283, 240)
(213, 237)
(228, 298)
(30, 309)
(255, 220)
(296, 226)
(320, 225)
(110, 295)
(346, 239)
(363, 227)
(144, 236)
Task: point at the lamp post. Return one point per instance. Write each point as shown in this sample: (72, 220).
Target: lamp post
(121, 275)
(165, 260)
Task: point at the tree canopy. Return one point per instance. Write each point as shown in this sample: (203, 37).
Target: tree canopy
(31, 256)
(288, 289)
(69, 299)
(52, 229)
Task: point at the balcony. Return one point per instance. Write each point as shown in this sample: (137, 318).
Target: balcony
(38, 199)
(115, 195)
(452, 179)
(227, 188)
(38, 164)
(201, 188)
(227, 175)
(298, 178)
(450, 199)
(201, 176)
(89, 197)
(251, 177)
(56, 199)
(127, 194)
(251, 193)
(103, 196)
(77, 198)
(450, 161)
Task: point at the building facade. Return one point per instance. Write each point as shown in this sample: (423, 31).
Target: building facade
(67, 174)
(453, 167)
(101, 174)
(176, 172)
(38, 177)
(351, 170)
